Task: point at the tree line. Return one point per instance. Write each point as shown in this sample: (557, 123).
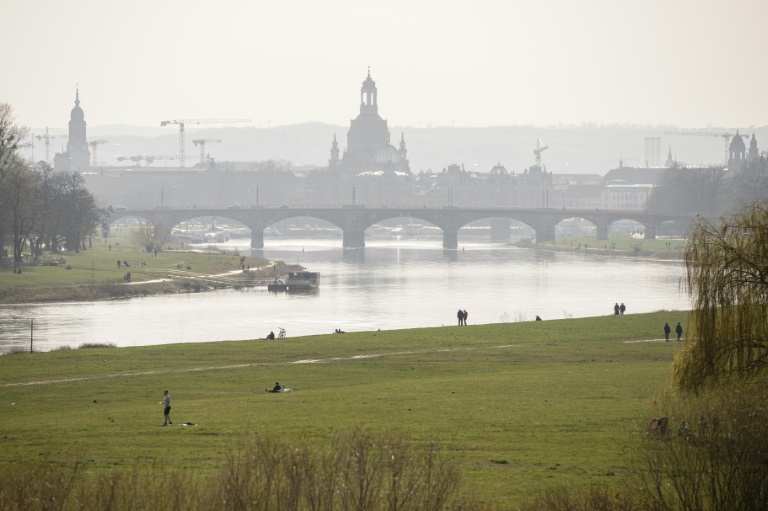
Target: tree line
(39, 208)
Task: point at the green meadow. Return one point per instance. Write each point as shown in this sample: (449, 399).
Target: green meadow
(94, 274)
(521, 408)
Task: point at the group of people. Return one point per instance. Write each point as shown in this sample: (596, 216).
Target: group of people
(678, 331)
(462, 316)
(618, 310)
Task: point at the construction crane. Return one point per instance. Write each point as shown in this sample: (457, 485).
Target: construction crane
(726, 137)
(201, 142)
(540, 148)
(48, 139)
(182, 122)
(147, 159)
(94, 149)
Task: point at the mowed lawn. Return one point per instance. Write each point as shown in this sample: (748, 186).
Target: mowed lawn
(521, 407)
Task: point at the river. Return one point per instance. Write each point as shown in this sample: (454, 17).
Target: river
(388, 285)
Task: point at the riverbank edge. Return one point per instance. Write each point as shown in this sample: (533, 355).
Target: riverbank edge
(661, 255)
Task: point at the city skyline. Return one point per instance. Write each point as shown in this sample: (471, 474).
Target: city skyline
(488, 63)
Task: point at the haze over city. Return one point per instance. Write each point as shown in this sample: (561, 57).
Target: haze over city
(484, 63)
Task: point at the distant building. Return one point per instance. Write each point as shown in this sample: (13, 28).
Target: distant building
(670, 160)
(625, 196)
(368, 141)
(77, 157)
(753, 154)
(737, 153)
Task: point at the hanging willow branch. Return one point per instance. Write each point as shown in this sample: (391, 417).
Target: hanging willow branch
(727, 278)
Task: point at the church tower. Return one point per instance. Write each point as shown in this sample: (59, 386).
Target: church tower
(77, 145)
(737, 151)
(670, 159)
(403, 152)
(753, 154)
(333, 163)
(368, 132)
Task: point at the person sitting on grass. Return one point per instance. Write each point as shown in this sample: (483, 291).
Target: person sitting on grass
(276, 388)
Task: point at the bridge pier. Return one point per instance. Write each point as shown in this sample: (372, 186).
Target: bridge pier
(650, 232)
(354, 239)
(257, 238)
(545, 234)
(602, 232)
(450, 239)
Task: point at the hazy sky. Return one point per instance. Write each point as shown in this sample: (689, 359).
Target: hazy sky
(691, 63)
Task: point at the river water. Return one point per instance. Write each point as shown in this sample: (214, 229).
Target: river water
(388, 285)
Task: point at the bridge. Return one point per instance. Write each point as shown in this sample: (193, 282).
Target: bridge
(355, 219)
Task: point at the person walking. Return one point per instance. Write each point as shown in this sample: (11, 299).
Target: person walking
(666, 331)
(616, 309)
(679, 331)
(465, 317)
(622, 308)
(166, 407)
(460, 316)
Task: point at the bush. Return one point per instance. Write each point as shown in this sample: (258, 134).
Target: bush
(359, 471)
(715, 455)
(89, 345)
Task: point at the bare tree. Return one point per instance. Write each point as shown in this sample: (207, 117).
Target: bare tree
(18, 203)
(151, 237)
(700, 190)
(11, 140)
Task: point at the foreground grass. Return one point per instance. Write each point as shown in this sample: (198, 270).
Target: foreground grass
(521, 407)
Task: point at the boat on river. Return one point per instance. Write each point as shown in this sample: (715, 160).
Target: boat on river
(296, 282)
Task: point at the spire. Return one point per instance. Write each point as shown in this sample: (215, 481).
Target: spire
(77, 95)
(334, 161)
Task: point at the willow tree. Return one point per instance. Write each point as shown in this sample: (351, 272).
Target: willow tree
(727, 278)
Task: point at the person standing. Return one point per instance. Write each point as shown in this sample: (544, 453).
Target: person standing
(460, 316)
(622, 308)
(465, 317)
(679, 331)
(166, 407)
(666, 331)
(616, 309)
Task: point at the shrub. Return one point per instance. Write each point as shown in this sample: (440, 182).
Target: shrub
(716, 456)
(360, 470)
(89, 345)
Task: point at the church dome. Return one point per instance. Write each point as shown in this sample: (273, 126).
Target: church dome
(386, 154)
(499, 170)
(77, 112)
(369, 83)
(737, 144)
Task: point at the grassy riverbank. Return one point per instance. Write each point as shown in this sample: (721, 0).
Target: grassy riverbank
(94, 274)
(522, 408)
(617, 245)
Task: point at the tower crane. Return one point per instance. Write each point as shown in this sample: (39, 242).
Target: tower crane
(94, 148)
(201, 142)
(540, 148)
(147, 159)
(182, 122)
(726, 137)
(48, 139)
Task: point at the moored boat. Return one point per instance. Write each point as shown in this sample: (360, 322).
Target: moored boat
(297, 281)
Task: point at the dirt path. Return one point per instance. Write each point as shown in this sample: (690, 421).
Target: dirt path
(235, 366)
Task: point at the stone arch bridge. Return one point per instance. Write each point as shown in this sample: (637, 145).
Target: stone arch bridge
(354, 220)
